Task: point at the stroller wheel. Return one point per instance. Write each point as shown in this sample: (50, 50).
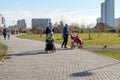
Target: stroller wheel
(80, 46)
(54, 49)
(46, 50)
(72, 47)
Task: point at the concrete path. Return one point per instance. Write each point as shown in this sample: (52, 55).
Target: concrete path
(28, 61)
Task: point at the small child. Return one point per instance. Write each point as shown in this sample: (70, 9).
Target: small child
(50, 36)
(79, 40)
(76, 40)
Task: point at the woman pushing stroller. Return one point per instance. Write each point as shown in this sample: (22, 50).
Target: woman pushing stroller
(76, 39)
(65, 36)
(49, 38)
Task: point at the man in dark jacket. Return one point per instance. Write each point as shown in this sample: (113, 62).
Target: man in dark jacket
(65, 36)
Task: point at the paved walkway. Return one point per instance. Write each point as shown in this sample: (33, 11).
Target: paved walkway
(28, 61)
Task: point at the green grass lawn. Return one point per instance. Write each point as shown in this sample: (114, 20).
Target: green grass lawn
(110, 39)
(111, 53)
(3, 50)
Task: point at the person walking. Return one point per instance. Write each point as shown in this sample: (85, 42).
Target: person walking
(4, 33)
(65, 36)
(8, 34)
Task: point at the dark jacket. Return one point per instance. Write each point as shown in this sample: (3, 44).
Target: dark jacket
(48, 30)
(4, 31)
(65, 32)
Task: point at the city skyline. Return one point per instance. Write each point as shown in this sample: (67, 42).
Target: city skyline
(77, 11)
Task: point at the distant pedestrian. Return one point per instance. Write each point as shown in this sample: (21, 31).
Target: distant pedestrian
(8, 34)
(4, 33)
(65, 36)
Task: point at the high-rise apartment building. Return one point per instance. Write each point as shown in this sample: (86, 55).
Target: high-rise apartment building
(107, 12)
(21, 23)
(103, 13)
(2, 21)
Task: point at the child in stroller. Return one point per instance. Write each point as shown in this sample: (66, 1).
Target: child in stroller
(77, 41)
(50, 43)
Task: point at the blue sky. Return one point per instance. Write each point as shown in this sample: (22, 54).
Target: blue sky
(69, 11)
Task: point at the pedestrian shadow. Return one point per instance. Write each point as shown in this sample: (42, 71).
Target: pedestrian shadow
(81, 74)
(27, 53)
(61, 49)
(89, 72)
(36, 52)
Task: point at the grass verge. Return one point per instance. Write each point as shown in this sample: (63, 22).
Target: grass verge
(111, 53)
(3, 50)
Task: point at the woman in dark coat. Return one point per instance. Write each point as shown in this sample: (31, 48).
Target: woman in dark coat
(65, 36)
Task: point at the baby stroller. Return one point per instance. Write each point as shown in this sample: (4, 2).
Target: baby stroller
(50, 46)
(77, 41)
